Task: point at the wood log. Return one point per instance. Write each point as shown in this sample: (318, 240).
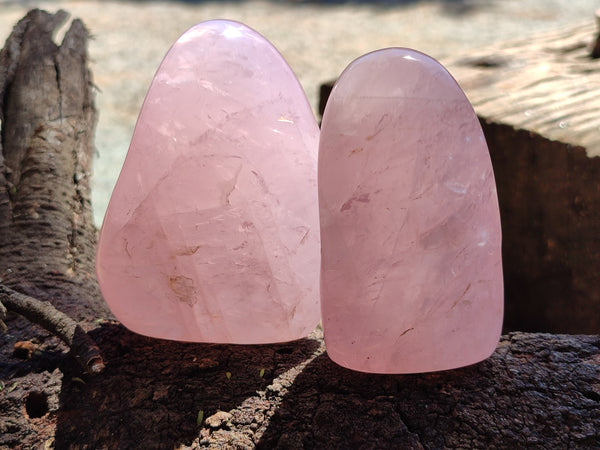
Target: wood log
(47, 236)
(540, 108)
(537, 390)
(548, 85)
(538, 102)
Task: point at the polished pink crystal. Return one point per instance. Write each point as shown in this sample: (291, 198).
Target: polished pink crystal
(211, 234)
(411, 275)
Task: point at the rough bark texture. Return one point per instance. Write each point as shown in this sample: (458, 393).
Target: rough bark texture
(47, 235)
(537, 390)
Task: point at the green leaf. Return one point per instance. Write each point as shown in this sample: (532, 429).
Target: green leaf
(228, 375)
(262, 373)
(200, 418)
(12, 387)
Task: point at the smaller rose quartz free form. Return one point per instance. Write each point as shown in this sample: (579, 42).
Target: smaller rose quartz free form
(411, 269)
(212, 234)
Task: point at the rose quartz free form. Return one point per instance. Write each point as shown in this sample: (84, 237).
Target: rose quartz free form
(411, 275)
(211, 234)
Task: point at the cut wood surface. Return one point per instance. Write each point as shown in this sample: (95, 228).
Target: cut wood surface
(535, 391)
(548, 84)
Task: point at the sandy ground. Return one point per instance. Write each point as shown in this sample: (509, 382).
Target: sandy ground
(317, 39)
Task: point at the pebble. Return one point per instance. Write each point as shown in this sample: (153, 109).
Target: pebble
(218, 419)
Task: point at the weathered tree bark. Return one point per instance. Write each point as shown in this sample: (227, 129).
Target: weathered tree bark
(537, 390)
(47, 235)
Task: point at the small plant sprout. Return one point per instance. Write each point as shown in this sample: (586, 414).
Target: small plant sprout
(200, 417)
(228, 375)
(261, 373)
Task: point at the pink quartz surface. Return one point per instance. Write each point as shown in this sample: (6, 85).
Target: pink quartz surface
(411, 269)
(211, 234)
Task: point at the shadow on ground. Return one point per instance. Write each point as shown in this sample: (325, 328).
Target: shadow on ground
(154, 393)
(524, 395)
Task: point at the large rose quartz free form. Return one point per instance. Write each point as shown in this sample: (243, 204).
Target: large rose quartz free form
(411, 275)
(212, 234)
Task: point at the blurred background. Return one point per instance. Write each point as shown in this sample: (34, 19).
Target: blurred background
(317, 38)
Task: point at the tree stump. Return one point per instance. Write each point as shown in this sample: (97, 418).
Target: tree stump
(47, 236)
(537, 390)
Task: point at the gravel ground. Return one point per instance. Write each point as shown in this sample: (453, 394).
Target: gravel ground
(318, 39)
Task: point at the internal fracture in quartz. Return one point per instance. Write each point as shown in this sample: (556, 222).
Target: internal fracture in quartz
(411, 270)
(211, 234)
